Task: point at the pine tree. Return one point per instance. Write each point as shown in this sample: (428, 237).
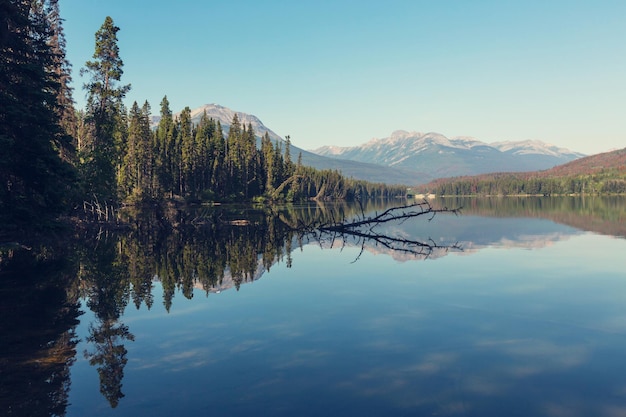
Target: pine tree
(234, 156)
(267, 150)
(104, 106)
(287, 158)
(62, 68)
(146, 152)
(35, 184)
(219, 172)
(185, 138)
(249, 162)
(162, 146)
(204, 153)
(135, 179)
(278, 166)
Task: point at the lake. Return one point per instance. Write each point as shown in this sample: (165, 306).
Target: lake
(233, 313)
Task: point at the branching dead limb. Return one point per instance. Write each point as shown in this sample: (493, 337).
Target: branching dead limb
(362, 230)
(400, 213)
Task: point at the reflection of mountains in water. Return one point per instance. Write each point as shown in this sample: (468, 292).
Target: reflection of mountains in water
(517, 222)
(529, 223)
(111, 270)
(472, 233)
(218, 257)
(507, 222)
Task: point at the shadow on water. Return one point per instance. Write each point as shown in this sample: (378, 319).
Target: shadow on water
(39, 314)
(208, 248)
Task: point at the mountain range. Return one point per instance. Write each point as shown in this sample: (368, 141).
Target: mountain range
(409, 157)
(442, 157)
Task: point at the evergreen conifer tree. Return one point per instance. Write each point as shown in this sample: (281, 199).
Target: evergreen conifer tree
(135, 178)
(185, 138)
(219, 170)
(104, 107)
(35, 184)
(267, 150)
(62, 68)
(287, 158)
(163, 145)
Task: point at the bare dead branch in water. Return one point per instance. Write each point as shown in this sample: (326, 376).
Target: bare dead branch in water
(400, 213)
(362, 229)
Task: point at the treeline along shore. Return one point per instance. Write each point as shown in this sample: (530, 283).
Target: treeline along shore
(57, 160)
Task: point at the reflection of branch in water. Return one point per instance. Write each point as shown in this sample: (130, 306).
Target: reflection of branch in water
(407, 246)
(362, 229)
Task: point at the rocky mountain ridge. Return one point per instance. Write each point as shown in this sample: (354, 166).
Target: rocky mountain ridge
(444, 157)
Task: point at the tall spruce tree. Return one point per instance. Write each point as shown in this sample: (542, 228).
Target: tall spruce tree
(35, 183)
(187, 156)
(289, 168)
(219, 172)
(267, 152)
(135, 177)
(147, 152)
(251, 163)
(204, 153)
(104, 106)
(62, 68)
(163, 147)
(234, 156)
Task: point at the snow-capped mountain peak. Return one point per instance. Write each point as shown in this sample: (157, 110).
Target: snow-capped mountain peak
(463, 155)
(225, 116)
(529, 147)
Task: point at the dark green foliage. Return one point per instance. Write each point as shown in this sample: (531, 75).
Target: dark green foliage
(35, 184)
(117, 154)
(610, 181)
(198, 163)
(105, 72)
(135, 178)
(66, 114)
(164, 150)
(100, 149)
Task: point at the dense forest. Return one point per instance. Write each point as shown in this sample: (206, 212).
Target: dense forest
(55, 157)
(597, 174)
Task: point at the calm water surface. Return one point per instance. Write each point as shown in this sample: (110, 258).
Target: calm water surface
(528, 320)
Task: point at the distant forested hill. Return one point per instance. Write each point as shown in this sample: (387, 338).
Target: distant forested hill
(603, 173)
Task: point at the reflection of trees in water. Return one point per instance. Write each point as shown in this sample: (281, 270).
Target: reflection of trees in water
(39, 314)
(115, 268)
(599, 214)
(104, 276)
(206, 250)
(212, 249)
(215, 247)
(109, 356)
(366, 230)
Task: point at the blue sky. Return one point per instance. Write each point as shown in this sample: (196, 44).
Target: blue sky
(344, 72)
